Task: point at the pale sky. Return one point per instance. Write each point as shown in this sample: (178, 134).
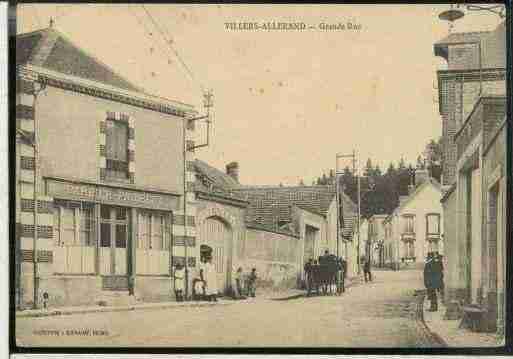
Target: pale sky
(285, 102)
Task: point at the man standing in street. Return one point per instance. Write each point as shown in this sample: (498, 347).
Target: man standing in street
(432, 280)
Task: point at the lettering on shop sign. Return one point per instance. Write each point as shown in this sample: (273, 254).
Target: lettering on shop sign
(111, 195)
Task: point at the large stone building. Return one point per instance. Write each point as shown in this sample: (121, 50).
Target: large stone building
(113, 214)
(473, 106)
(415, 228)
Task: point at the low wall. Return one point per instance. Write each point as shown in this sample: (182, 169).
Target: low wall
(275, 257)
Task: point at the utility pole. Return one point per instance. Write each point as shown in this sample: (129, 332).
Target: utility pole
(354, 161)
(207, 104)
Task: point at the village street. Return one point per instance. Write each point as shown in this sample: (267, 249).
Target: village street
(378, 314)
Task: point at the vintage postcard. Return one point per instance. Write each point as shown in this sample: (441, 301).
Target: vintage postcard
(243, 175)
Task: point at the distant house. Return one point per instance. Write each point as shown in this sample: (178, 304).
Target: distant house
(415, 227)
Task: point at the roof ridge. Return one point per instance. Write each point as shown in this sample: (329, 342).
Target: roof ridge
(86, 53)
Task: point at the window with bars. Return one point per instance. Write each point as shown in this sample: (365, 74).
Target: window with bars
(74, 224)
(116, 149)
(153, 231)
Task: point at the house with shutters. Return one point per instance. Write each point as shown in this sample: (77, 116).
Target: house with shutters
(105, 163)
(415, 227)
(472, 104)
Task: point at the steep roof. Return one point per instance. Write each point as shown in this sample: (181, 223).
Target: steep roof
(271, 203)
(212, 181)
(430, 181)
(50, 49)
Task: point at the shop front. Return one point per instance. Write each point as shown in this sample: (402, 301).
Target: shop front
(111, 238)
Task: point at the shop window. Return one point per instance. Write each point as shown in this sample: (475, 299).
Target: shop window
(153, 231)
(73, 224)
(116, 149)
(433, 224)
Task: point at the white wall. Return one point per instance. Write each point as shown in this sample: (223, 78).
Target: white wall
(427, 200)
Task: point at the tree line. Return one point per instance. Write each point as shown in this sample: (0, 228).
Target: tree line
(380, 190)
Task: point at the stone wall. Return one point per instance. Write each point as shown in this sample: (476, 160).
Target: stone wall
(274, 255)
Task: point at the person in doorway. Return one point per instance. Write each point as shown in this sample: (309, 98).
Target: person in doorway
(210, 278)
(179, 277)
(367, 270)
(252, 283)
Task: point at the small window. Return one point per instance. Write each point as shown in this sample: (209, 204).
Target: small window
(433, 224)
(409, 224)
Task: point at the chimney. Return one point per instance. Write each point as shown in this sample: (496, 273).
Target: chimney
(421, 176)
(232, 170)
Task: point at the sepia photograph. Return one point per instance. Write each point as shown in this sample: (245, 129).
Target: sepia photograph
(259, 175)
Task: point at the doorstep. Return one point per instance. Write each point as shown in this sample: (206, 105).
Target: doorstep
(33, 313)
(450, 332)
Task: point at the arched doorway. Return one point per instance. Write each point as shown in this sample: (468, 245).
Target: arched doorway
(217, 234)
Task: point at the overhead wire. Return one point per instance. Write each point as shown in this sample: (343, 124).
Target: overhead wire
(175, 52)
(149, 35)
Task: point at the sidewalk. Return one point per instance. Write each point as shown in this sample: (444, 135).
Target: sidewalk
(454, 337)
(100, 309)
(266, 295)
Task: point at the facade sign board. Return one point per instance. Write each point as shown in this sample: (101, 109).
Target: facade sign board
(111, 195)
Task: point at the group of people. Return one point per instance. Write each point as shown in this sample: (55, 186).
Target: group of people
(327, 273)
(245, 285)
(204, 284)
(434, 279)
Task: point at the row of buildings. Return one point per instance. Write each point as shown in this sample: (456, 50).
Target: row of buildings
(464, 216)
(472, 105)
(110, 195)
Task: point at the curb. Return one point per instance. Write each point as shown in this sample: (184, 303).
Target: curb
(59, 312)
(431, 337)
